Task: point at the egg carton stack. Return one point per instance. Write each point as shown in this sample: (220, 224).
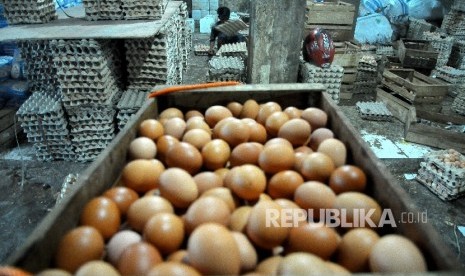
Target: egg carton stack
(233, 50)
(443, 172)
(416, 27)
(143, 9)
(103, 9)
(456, 77)
(43, 119)
(128, 106)
(457, 56)
(185, 36)
(330, 77)
(454, 21)
(366, 78)
(383, 50)
(89, 74)
(376, 111)
(39, 68)
(29, 11)
(201, 49)
(458, 105)
(226, 69)
(441, 43)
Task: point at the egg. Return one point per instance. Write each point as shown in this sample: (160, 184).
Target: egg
(357, 206)
(355, 247)
(142, 175)
(172, 269)
(171, 112)
(274, 122)
(207, 209)
(396, 254)
(207, 180)
(175, 127)
(246, 181)
(317, 166)
(185, 156)
(337, 269)
(223, 194)
(347, 178)
(197, 137)
(138, 259)
(284, 183)
(276, 157)
(122, 196)
(93, 268)
(179, 256)
(165, 231)
(294, 214)
(221, 172)
(250, 109)
(178, 187)
(215, 154)
(216, 113)
(335, 149)
(235, 108)
(278, 140)
(303, 149)
(216, 129)
(192, 113)
(315, 238)
(315, 116)
(266, 110)
(53, 272)
(318, 136)
(78, 246)
(302, 263)
(234, 132)
(151, 128)
(103, 214)
(245, 153)
(119, 242)
(269, 266)
(239, 218)
(257, 132)
(212, 249)
(247, 252)
(164, 143)
(144, 208)
(299, 160)
(297, 131)
(198, 123)
(293, 112)
(142, 148)
(314, 196)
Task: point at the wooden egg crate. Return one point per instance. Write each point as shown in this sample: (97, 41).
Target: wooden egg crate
(416, 53)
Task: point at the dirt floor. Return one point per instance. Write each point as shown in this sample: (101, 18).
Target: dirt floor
(31, 188)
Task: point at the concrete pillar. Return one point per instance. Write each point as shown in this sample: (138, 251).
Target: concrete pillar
(275, 40)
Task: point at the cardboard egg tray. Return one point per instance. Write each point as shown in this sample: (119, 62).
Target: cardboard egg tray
(226, 67)
(128, 106)
(457, 56)
(29, 11)
(454, 23)
(103, 9)
(456, 77)
(234, 49)
(143, 9)
(330, 77)
(385, 50)
(458, 105)
(441, 43)
(376, 111)
(366, 78)
(417, 27)
(201, 49)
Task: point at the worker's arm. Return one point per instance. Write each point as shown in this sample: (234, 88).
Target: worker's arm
(213, 35)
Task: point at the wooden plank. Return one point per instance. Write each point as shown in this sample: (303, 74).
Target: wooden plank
(330, 17)
(418, 84)
(337, 32)
(7, 116)
(79, 28)
(399, 109)
(441, 118)
(436, 137)
(346, 59)
(398, 90)
(349, 78)
(335, 7)
(8, 136)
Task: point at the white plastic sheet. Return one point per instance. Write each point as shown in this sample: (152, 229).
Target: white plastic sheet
(373, 28)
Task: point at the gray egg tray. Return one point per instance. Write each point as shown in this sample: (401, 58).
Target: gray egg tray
(103, 9)
(220, 65)
(459, 5)
(226, 77)
(79, 138)
(376, 111)
(233, 49)
(90, 128)
(385, 50)
(29, 11)
(459, 104)
(454, 23)
(330, 77)
(450, 74)
(132, 101)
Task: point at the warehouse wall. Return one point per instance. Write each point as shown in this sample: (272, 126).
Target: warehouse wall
(236, 5)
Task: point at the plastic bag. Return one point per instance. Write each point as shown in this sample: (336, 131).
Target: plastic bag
(14, 88)
(372, 29)
(5, 67)
(394, 10)
(428, 9)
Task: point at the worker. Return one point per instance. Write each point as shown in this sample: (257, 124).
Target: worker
(223, 16)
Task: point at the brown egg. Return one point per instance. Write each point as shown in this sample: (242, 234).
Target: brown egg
(198, 123)
(53, 272)
(318, 136)
(165, 231)
(234, 132)
(246, 181)
(355, 247)
(207, 209)
(303, 149)
(175, 127)
(276, 157)
(250, 109)
(297, 131)
(274, 122)
(197, 137)
(179, 256)
(299, 160)
(223, 194)
(396, 254)
(239, 218)
(138, 259)
(245, 153)
(317, 166)
(212, 249)
(185, 156)
(266, 110)
(181, 196)
(315, 238)
(358, 206)
(269, 266)
(216, 113)
(122, 196)
(264, 226)
(295, 215)
(302, 263)
(247, 252)
(284, 184)
(315, 116)
(207, 180)
(164, 143)
(347, 178)
(151, 128)
(278, 140)
(220, 124)
(103, 214)
(235, 108)
(119, 242)
(172, 269)
(337, 269)
(78, 246)
(314, 196)
(215, 154)
(257, 131)
(293, 112)
(142, 148)
(335, 149)
(221, 172)
(93, 268)
(144, 208)
(142, 175)
(171, 112)
(192, 113)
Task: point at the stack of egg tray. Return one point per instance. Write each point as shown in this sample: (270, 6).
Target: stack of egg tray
(443, 172)
(376, 111)
(185, 37)
(103, 9)
(456, 77)
(385, 50)
(366, 78)
(40, 70)
(458, 105)
(29, 11)
(416, 28)
(226, 69)
(459, 5)
(143, 9)
(128, 106)
(201, 49)
(43, 119)
(441, 43)
(330, 77)
(457, 56)
(454, 23)
(233, 50)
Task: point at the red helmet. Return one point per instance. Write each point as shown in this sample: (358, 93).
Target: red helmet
(319, 48)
